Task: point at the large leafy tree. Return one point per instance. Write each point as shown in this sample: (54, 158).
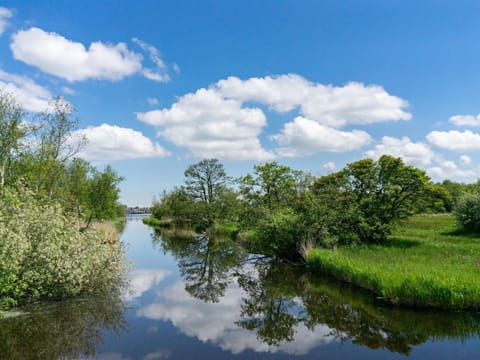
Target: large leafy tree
(77, 185)
(374, 195)
(206, 180)
(270, 186)
(104, 194)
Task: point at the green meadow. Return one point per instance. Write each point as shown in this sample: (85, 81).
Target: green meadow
(425, 263)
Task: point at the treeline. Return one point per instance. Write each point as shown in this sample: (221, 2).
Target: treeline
(283, 212)
(40, 155)
(48, 199)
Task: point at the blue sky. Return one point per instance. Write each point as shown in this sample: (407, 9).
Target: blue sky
(158, 85)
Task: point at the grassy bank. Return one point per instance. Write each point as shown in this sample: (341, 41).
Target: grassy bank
(424, 264)
(154, 222)
(108, 230)
(229, 229)
(225, 229)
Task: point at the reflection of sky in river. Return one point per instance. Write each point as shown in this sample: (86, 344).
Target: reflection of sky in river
(166, 322)
(215, 322)
(160, 305)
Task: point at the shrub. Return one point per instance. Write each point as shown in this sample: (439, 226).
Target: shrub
(468, 212)
(279, 233)
(45, 255)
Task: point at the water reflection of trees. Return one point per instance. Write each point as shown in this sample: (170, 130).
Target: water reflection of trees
(269, 309)
(280, 297)
(207, 264)
(65, 330)
(283, 296)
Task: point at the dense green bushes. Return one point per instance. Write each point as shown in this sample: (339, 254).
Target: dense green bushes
(468, 212)
(45, 255)
(286, 210)
(278, 234)
(47, 201)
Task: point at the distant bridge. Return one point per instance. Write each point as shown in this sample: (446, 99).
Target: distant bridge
(138, 210)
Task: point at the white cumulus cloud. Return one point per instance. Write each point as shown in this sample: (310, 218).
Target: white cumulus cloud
(30, 95)
(304, 136)
(225, 120)
(56, 55)
(417, 154)
(111, 142)
(336, 106)
(447, 169)
(465, 120)
(211, 126)
(455, 140)
(5, 14)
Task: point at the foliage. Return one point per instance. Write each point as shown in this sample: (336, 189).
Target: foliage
(203, 201)
(278, 234)
(205, 180)
(279, 299)
(374, 195)
(454, 190)
(103, 194)
(178, 206)
(467, 212)
(425, 264)
(11, 131)
(436, 199)
(44, 255)
(273, 186)
(46, 194)
(41, 156)
(286, 211)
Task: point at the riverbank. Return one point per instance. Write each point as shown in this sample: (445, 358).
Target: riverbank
(46, 254)
(425, 263)
(229, 229)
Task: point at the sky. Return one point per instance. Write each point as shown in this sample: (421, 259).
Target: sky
(160, 85)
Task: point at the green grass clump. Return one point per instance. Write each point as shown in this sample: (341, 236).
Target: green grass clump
(426, 263)
(154, 222)
(224, 229)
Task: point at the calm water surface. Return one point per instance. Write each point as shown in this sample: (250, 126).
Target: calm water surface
(199, 298)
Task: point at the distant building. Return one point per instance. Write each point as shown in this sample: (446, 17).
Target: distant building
(137, 210)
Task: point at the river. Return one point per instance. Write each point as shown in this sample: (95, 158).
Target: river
(199, 298)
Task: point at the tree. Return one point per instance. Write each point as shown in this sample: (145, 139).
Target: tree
(271, 185)
(11, 132)
(206, 180)
(178, 206)
(77, 183)
(467, 212)
(56, 146)
(103, 194)
(374, 195)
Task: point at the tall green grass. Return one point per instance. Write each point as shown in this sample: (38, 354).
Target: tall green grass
(154, 222)
(426, 263)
